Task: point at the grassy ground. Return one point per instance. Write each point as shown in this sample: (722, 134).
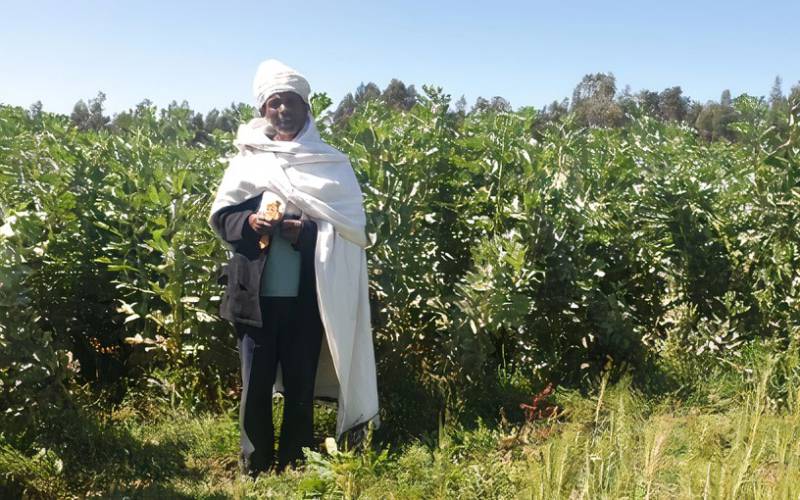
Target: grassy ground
(739, 443)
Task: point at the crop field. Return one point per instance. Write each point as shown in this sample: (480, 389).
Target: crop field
(561, 309)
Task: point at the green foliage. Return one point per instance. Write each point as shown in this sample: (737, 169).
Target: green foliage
(319, 103)
(90, 117)
(742, 441)
(640, 250)
(34, 367)
(593, 101)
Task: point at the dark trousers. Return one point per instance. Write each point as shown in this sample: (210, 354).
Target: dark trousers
(291, 335)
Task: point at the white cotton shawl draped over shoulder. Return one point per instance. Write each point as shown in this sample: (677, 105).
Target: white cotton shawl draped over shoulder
(320, 181)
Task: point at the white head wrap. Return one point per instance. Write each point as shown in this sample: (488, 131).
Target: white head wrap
(274, 76)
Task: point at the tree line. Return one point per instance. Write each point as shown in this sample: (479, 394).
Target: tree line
(596, 101)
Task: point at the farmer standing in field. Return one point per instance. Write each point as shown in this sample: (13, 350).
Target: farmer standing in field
(289, 208)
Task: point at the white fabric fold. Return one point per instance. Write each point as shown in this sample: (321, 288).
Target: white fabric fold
(274, 76)
(320, 181)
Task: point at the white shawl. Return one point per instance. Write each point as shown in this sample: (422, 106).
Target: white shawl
(320, 181)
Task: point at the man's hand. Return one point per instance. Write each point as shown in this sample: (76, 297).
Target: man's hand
(259, 224)
(290, 229)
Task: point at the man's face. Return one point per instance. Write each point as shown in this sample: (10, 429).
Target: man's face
(287, 112)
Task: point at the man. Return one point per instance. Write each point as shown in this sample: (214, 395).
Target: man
(297, 289)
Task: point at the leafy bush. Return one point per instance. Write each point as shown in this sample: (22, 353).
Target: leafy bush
(546, 256)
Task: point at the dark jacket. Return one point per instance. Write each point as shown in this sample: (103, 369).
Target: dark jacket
(242, 274)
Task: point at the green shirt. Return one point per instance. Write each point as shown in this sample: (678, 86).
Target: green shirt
(281, 276)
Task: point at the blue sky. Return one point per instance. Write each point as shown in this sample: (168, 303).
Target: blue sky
(529, 52)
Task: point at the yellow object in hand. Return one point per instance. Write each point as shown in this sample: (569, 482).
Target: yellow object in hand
(271, 213)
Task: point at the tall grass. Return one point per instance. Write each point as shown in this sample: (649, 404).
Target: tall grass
(613, 443)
